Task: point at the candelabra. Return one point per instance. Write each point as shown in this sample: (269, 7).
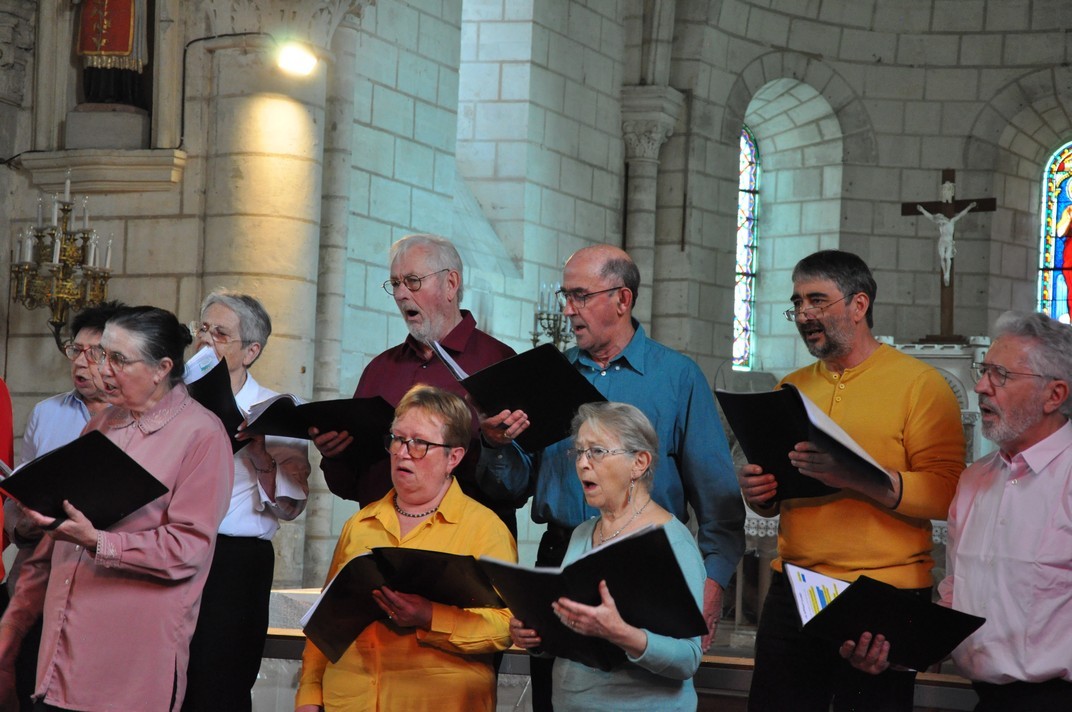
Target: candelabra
(549, 321)
(58, 267)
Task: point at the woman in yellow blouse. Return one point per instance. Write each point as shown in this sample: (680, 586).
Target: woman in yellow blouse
(426, 655)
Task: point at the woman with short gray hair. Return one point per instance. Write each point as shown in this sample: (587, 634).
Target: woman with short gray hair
(615, 448)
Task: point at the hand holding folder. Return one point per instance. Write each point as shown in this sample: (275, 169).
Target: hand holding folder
(92, 473)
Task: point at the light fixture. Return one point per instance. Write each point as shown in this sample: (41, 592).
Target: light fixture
(296, 59)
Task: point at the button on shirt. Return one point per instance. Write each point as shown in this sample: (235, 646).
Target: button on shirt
(1010, 561)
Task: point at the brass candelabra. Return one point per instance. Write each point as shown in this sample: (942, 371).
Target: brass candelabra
(60, 268)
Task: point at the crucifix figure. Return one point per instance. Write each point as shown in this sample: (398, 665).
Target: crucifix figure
(946, 248)
(945, 213)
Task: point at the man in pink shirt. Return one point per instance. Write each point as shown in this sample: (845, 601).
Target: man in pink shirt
(1009, 557)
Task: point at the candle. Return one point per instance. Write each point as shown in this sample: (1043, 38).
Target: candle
(40, 212)
(17, 249)
(85, 212)
(67, 187)
(55, 210)
(91, 252)
(56, 243)
(28, 255)
(108, 254)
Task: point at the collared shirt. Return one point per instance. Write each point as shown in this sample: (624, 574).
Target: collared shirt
(693, 468)
(449, 666)
(1009, 559)
(251, 512)
(53, 422)
(394, 372)
(117, 625)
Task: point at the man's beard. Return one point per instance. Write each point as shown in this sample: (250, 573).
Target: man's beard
(835, 344)
(428, 330)
(1010, 423)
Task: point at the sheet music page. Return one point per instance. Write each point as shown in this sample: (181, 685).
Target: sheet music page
(199, 364)
(812, 591)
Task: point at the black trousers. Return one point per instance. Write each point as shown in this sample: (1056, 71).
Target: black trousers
(1045, 696)
(226, 650)
(551, 552)
(799, 672)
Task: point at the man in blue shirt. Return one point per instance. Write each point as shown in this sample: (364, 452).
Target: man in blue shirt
(599, 288)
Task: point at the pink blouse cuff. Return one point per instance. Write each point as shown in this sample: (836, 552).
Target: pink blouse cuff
(107, 550)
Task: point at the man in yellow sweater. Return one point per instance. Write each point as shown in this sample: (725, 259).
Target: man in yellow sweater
(905, 415)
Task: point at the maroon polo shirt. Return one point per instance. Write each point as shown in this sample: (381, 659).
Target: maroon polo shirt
(394, 372)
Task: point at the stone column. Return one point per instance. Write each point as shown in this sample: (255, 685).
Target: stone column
(648, 117)
(331, 289)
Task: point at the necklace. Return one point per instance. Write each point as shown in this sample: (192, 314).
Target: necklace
(404, 513)
(636, 513)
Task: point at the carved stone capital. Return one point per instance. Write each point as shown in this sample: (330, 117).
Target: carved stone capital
(312, 21)
(649, 114)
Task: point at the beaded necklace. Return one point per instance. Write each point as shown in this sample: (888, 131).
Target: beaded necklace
(404, 513)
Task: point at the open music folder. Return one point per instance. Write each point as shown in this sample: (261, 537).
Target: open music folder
(346, 607)
(92, 473)
(768, 424)
(654, 596)
(921, 633)
(542, 382)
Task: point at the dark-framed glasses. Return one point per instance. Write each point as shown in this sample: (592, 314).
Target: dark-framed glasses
(596, 453)
(118, 362)
(216, 333)
(417, 448)
(578, 298)
(814, 310)
(999, 374)
(411, 282)
(72, 351)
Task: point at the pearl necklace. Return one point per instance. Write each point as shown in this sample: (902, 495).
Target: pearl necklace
(636, 513)
(404, 513)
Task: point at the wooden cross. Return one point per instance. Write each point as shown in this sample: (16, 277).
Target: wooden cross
(952, 209)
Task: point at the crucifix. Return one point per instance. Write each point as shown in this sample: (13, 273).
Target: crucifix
(945, 213)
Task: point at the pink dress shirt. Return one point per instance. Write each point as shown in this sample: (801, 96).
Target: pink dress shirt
(1010, 560)
(117, 625)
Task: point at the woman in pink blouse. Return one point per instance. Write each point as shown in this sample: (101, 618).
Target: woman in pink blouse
(119, 605)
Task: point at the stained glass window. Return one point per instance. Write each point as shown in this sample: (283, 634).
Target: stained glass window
(744, 295)
(1055, 251)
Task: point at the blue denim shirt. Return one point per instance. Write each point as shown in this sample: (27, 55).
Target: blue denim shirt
(694, 465)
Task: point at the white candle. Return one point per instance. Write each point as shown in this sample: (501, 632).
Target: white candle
(16, 252)
(108, 254)
(91, 252)
(85, 212)
(56, 242)
(55, 210)
(67, 187)
(29, 251)
(40, 211)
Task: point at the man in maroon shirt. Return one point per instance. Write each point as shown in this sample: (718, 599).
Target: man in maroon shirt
(426, 283)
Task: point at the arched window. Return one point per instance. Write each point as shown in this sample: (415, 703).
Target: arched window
(1055, 251)
(744, 294)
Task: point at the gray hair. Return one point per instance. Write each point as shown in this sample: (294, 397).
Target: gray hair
(1053, 355)
(442, 254)
(254, 324)
(850, 273)
(630, 425)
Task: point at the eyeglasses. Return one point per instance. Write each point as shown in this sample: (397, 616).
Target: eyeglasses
(411, 281)
(417, 448)
(814, 311)
(578, 298)
(98, 355)
(72, 351)
(214, 332)
(999, 374)
(596, 453)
